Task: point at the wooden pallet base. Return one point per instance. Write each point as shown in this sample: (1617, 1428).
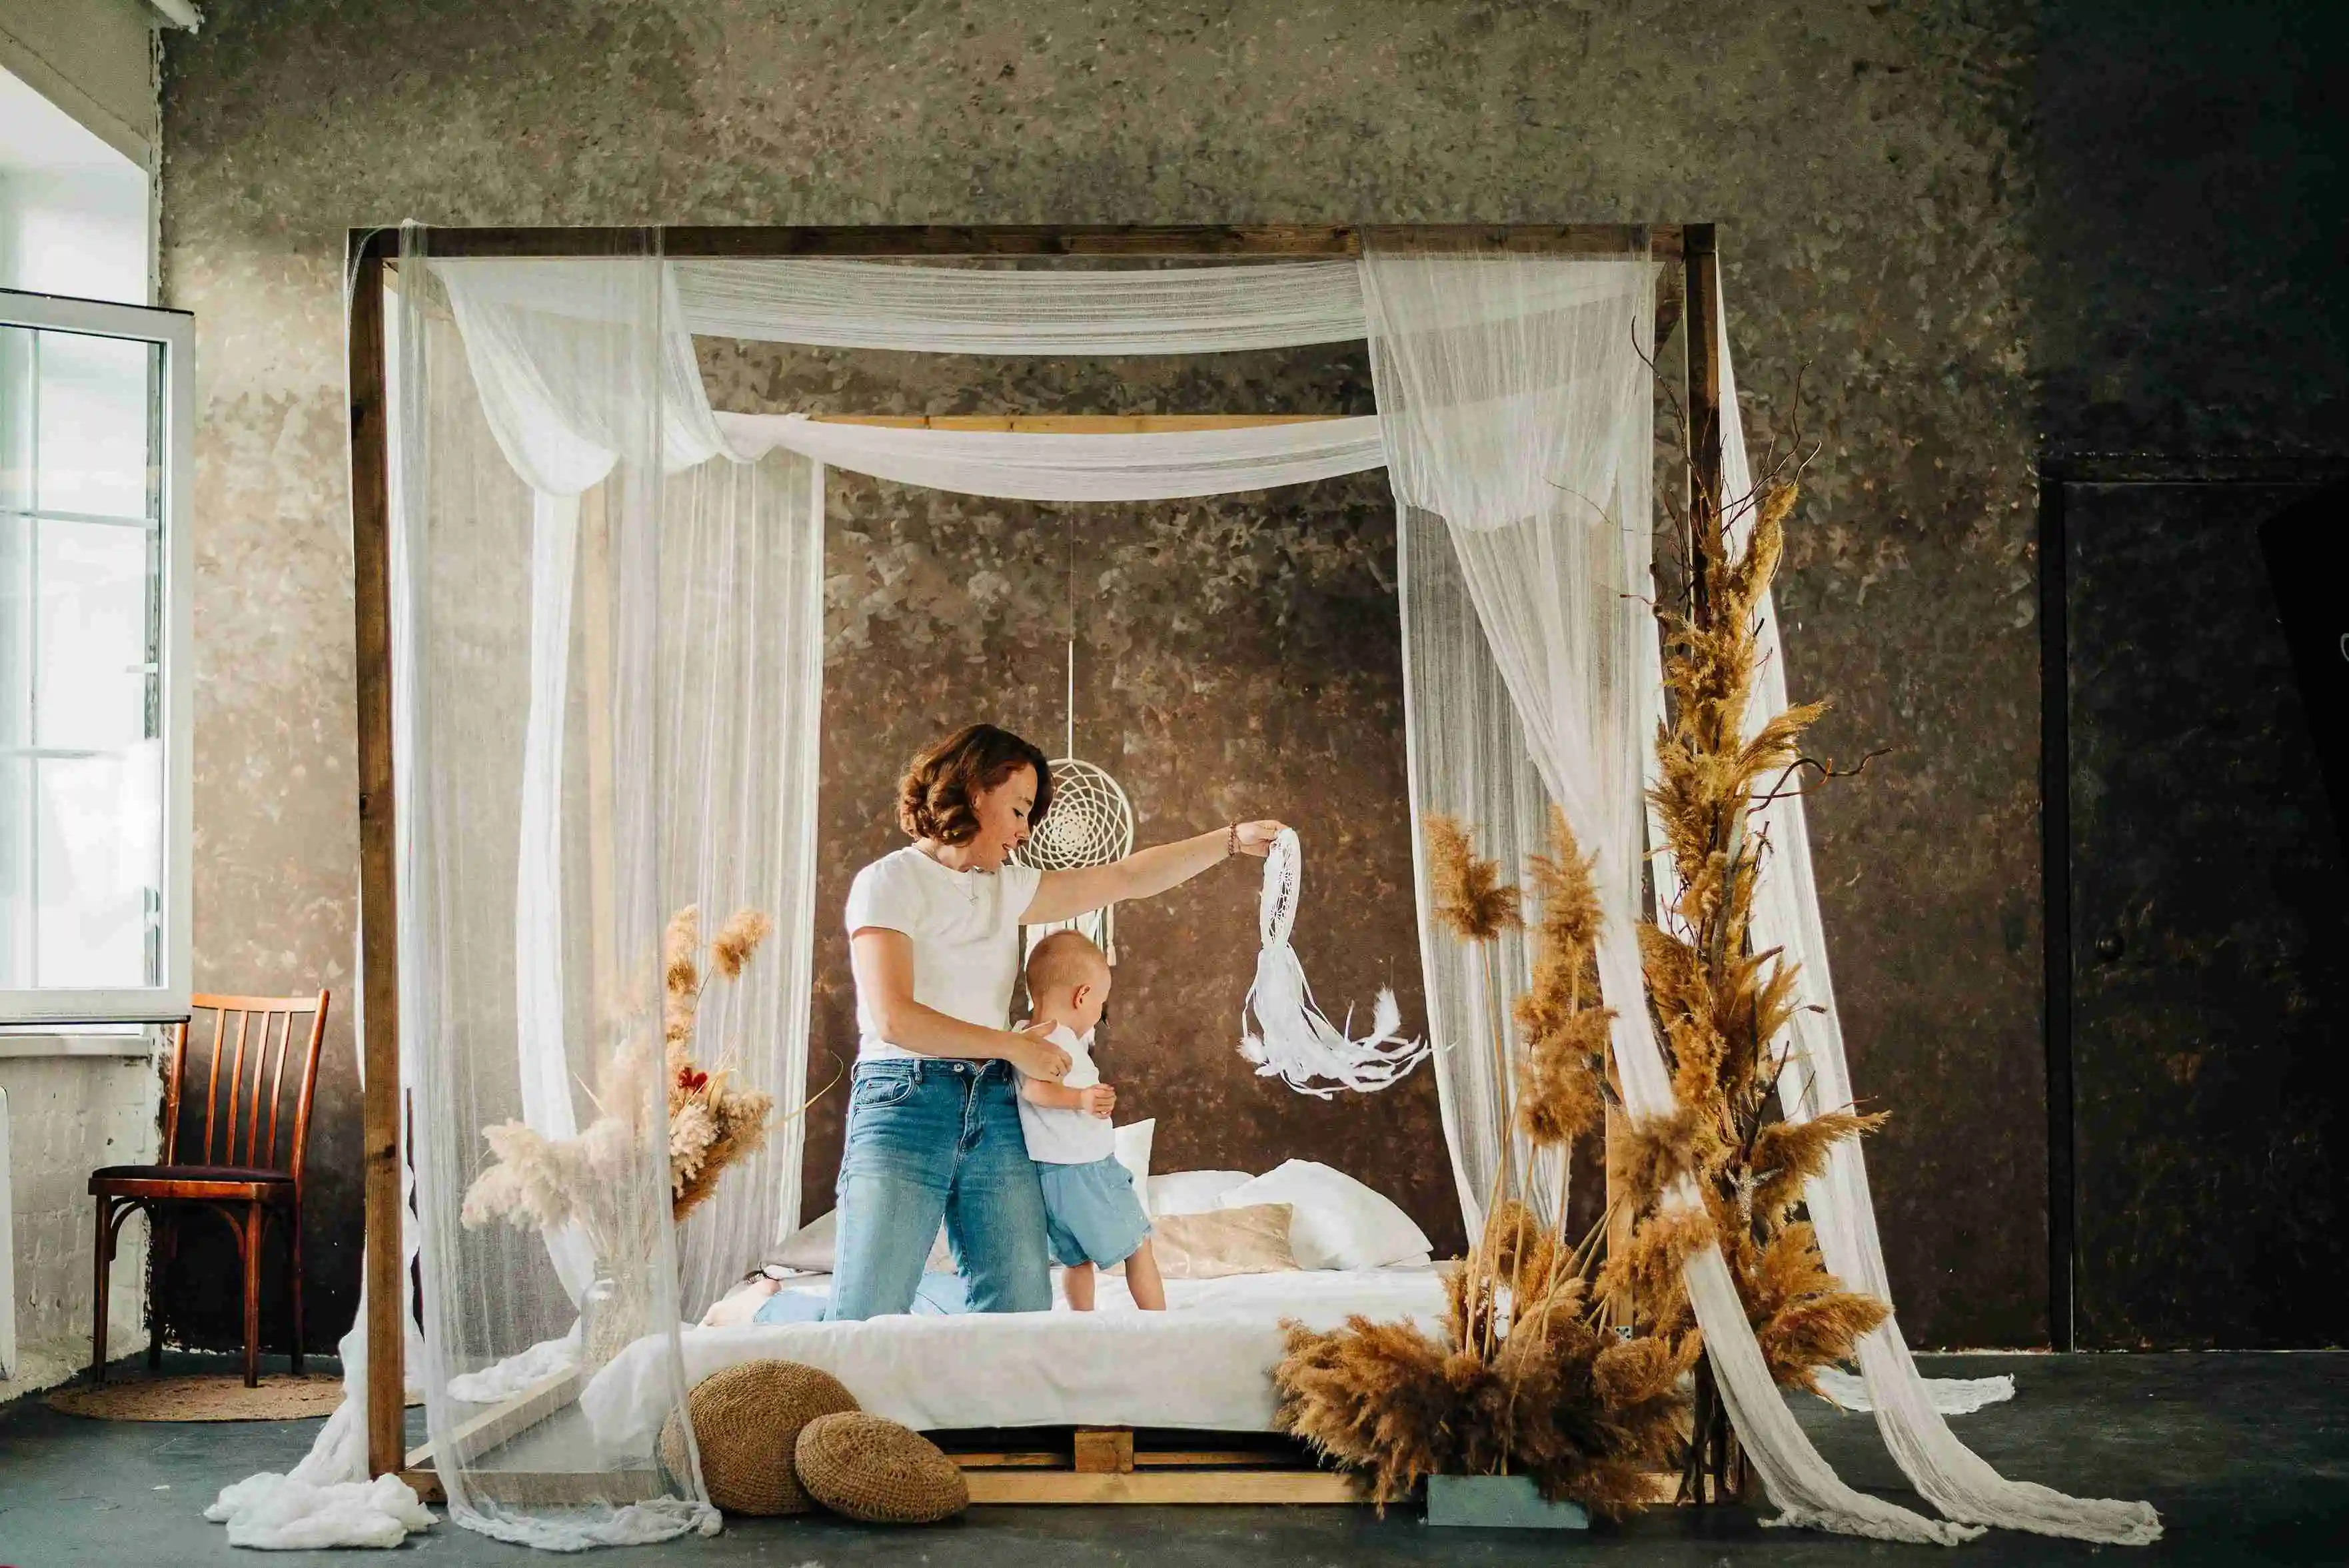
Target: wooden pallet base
(1161, 1487)
(1095, 1465)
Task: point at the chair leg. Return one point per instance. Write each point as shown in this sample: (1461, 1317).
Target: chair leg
(102, 1255)
(162, 1248)
(294, 1221)
(249, 1239)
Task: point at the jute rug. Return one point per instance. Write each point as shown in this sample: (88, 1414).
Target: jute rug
(210, 1397)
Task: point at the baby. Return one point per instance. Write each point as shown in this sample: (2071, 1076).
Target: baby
(1092, 1215)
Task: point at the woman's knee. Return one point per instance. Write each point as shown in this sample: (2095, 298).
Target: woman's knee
(886, 1227)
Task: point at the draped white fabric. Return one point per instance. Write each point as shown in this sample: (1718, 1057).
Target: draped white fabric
(539, 1021)
(466, 534)
(1548, 511)
(1064, 311)
(1027, 465)
(1815, 1077)
(1466, 758)
(538, 335)
(741, 673)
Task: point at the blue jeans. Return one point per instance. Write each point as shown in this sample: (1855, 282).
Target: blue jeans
(932, 1138)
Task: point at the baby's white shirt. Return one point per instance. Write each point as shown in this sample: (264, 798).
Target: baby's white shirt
(1068, 1137)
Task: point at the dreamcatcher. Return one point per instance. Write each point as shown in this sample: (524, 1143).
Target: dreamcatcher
(1291, 1041)
(1090, 822)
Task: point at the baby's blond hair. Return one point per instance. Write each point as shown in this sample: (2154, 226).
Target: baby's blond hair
(1062, 962)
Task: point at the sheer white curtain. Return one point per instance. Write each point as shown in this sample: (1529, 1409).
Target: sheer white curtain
(1029, 465)
(1816, 1076)
(982, 310)
(740, 670)
(1467, 758)
(470, 528)
(741, 673)
(1526, 427)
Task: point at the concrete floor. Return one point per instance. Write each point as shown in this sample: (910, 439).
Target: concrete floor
(2246, 1457)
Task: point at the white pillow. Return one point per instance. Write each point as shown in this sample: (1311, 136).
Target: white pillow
(1133, 1150)
(1335, 1221)
(809, 1248)
(814, 1247)
(1192, 1191)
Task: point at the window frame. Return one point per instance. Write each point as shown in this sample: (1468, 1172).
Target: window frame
(174, 331)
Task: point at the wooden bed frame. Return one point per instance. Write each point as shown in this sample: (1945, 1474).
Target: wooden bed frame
(1096, 1465)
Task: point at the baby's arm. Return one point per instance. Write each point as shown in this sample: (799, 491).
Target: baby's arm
(1050, 1095)
(1097, 1100)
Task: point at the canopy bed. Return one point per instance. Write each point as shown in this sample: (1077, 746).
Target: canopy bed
(589, 649)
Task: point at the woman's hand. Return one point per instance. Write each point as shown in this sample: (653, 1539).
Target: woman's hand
(1098, 1100)
(1038, 1057)
(1256, 838)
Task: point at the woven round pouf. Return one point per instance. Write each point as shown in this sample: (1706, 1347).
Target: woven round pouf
(879, 1472)
(745, 1420)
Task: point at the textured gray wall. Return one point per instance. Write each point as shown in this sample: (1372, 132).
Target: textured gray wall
(1866, 164)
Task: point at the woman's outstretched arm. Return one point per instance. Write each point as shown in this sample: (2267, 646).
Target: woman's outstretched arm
(1062, 896)
(884, 962)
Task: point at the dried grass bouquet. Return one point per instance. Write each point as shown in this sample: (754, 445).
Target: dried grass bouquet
(713, 1118)
(1525, 1379)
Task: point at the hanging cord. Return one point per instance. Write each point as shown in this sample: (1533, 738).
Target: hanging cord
(1069, 620)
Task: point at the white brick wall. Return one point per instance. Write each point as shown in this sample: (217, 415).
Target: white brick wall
(68, 1115)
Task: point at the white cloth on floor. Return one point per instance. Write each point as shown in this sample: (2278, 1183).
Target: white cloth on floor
(1948, 1396)
(274, 1512)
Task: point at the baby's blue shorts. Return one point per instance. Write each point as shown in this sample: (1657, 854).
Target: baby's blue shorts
(1091, 1212)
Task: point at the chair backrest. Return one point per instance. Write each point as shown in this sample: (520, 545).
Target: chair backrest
(243, 1085)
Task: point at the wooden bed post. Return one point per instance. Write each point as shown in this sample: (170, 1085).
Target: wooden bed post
(1698, 308)
(1702, 322)
(387, 1292)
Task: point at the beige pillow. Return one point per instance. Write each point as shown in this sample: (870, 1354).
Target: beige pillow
(1253, 1240)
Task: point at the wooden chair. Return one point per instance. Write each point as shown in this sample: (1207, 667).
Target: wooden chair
(248, 1188)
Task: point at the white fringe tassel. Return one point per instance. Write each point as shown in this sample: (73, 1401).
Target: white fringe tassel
(1292, 1040)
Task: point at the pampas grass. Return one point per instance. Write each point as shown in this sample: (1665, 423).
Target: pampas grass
(1552, 1395)
(713, 1119)
(1470, 897)
(1722, 1009)
(1524, 1379)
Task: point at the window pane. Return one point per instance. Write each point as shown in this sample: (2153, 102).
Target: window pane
(98, 864)
(16, 404)
(90, 587)
(91, 449)
(82, 844)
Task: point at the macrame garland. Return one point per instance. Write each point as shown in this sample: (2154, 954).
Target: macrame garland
(1291, 1041)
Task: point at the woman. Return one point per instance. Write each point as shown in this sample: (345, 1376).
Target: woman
(934, 936)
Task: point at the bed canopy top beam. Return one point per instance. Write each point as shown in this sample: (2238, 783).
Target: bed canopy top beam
(936, 242)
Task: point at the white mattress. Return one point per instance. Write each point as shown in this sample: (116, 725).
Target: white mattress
(1206, 1363)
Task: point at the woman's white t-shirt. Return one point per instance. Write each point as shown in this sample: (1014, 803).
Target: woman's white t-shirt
(965, 927)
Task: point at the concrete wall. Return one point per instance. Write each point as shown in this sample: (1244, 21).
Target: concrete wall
(67, 1117)
(1871, 168)
(95, 59)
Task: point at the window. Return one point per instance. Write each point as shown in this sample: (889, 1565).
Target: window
(94, 702)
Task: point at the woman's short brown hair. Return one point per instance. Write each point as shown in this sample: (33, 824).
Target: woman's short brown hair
(937, 797)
